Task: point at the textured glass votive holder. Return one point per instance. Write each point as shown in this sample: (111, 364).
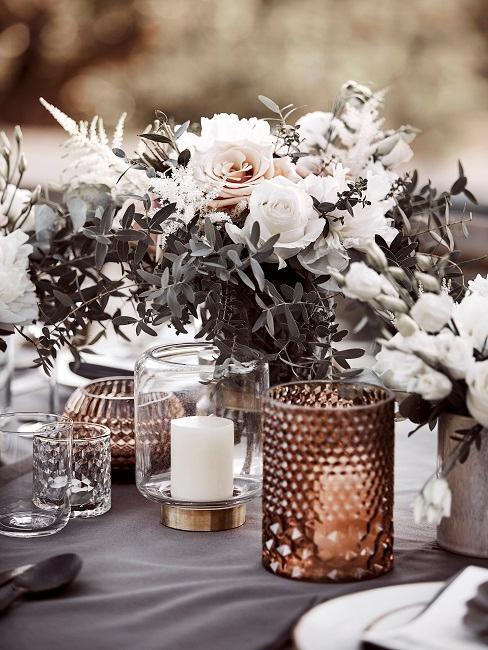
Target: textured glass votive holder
(91, 480)
(328, 481)
(108, 401)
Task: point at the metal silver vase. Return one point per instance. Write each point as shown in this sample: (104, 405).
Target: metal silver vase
(466, 530)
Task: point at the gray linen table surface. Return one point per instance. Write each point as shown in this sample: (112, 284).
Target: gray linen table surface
(146, 587)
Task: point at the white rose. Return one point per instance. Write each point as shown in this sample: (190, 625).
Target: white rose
(477, 398)
(397, 369)
(314, 130)
(13, 202)
(280, 207)
(432, 311)
(479, 285)
(235, 155)
(430, 385)
(362, 282)
(18, 305)
(471, 320)
(455, 353)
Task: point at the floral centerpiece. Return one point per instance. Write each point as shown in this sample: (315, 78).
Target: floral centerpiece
(240, 225)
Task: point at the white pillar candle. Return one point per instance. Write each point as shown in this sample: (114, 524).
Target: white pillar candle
(202, 457)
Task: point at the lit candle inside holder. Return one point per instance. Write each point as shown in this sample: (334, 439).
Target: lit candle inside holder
(202, 456)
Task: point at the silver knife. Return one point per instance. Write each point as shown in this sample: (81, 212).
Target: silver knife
(10, 574)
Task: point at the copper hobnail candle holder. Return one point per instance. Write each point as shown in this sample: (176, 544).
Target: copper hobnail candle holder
(109, 402)
(328, 481)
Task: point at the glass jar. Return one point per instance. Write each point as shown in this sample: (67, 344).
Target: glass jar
(219, 434)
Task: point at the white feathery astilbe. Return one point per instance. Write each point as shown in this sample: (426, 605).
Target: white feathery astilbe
(191, 198)
(361, 132)
(91, 159)
(182, 189)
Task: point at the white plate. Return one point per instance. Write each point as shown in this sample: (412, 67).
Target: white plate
(339, 623)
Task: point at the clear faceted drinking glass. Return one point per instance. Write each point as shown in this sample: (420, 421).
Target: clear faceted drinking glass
(91, 481)
(35, 473)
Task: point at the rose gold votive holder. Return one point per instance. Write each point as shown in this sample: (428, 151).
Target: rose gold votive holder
(328, 481)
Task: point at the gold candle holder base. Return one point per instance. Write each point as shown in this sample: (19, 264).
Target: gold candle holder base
(203, 520)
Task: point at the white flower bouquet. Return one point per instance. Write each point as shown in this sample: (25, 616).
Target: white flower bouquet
(438, 353)
(239, 225)
(242, 223)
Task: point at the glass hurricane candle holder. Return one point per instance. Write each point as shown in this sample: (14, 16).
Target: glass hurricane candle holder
(328, 481)
(198, 435)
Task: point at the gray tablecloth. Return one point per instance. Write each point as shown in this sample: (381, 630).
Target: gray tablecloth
(145, 587)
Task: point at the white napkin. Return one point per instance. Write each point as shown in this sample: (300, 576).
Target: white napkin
(440, 626)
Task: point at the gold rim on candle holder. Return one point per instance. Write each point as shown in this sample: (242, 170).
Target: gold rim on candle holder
(203, 520)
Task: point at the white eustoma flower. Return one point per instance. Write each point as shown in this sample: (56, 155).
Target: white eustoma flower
(477, 397)
(397, 369)
(424, 345)
(281, 207)
(367, 221)
(434, 502)
(346, 231)
(18, 305)
(470, 317)
(455, 353)
(431, 385)
(432, 311)
(236, 155)
(479, 285)
(362, 282)
(394, 149)
(327, 251)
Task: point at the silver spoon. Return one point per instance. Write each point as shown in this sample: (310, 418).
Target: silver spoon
(45, 576)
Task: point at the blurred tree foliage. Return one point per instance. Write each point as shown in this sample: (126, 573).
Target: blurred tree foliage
(196, 57)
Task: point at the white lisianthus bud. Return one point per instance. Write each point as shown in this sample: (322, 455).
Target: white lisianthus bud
(397, 272)
(18, 134)
(434, 502)
(406, 325)
(338, 277)
(362, 282)
(432, 311)
(375, 256)
(396, 305)
(424, 262)
(5, 140)
(427, 281)
(22, 164)
(36, 195)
